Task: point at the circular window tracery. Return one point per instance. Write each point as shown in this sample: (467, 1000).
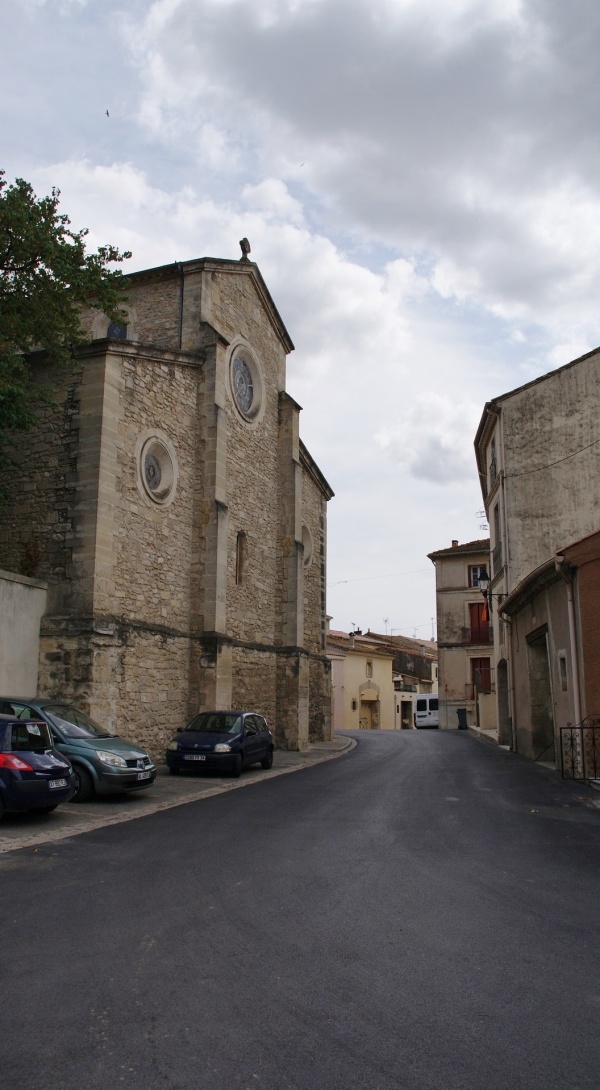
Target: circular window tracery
(157, 470)
(243, 386)
(246, 383)
(307, 542)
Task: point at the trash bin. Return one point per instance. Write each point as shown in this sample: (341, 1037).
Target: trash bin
(462, 718)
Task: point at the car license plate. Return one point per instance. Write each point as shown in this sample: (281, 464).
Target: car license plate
(57, 783)
(143, 775)
(194, 757)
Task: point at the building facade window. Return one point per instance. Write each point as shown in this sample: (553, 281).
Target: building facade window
(369, 669)
(562, 669)
(481, 675)
(493, 463)
(240, 557)
(476, 571)
(479, 624)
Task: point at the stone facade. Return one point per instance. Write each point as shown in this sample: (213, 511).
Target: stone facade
(176, 515)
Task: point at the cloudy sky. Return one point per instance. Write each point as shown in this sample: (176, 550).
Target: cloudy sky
(420, 183)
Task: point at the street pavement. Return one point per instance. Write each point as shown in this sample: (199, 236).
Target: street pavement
(71, 819)
(421, 914)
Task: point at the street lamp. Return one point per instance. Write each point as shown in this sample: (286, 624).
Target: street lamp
(484, 585)
(484, 582)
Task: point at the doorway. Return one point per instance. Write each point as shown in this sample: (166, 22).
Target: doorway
(540, 695)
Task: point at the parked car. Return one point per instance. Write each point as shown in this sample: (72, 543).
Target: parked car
(226, 741)
(33, 775)
(102, 762)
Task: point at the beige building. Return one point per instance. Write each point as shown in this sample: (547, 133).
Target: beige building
(362, 680)
(464, 640)
(178, 520)
(537, 456)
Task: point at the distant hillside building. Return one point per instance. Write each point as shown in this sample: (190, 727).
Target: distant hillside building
(176, 516)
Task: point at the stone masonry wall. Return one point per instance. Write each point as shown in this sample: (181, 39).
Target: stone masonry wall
(153, 544)
(37, 522)
(314, 517)
(251, 467)
(254, 682)
(320, 725)
(155, 305)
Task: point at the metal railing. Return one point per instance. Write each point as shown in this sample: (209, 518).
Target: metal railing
(493, 472)
(580, 750)
(481, 634)
(472, 688)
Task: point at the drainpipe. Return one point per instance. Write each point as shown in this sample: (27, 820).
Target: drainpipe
(563, 570)
(511, 684)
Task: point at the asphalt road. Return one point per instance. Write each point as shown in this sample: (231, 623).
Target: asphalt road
(421, 913)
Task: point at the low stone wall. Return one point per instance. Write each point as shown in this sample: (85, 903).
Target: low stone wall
(22, 605)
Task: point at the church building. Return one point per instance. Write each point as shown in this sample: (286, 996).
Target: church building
(180, 523)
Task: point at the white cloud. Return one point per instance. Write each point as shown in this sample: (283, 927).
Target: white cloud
(433, 438)
(419, 180)
(451, 114)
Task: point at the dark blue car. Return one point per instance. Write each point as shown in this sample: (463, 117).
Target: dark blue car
(224, 741)
(33, 775)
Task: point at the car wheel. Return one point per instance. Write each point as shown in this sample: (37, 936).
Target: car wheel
(84, 788)
(267, 762)
(44, 809)
(238, 766)
(2, 808)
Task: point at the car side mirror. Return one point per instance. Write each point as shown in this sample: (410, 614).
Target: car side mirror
(179, 730)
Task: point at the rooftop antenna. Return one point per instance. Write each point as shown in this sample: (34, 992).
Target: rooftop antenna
(385, 621)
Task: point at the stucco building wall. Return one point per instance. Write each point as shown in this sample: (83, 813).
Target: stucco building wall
(536, 451)
(22, 604)
(459, 644)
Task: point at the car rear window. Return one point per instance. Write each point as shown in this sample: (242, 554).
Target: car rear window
(73, 722)
(30, 737)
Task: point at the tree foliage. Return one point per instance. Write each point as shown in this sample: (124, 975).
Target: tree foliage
(46, 276)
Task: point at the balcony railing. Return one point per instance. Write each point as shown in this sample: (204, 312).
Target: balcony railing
(497, 558)
(493, 472)
(580, 750)
(486, 686)
(481, 634)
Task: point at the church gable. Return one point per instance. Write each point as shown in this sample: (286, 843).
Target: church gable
(195, 521)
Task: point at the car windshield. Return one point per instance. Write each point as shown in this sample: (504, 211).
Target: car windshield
(214, 723)
(74, 723)
(30, 737)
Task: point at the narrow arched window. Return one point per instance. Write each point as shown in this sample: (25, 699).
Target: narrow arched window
(240, 557)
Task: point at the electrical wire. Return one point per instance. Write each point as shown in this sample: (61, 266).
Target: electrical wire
(369, 578)
(538, 469)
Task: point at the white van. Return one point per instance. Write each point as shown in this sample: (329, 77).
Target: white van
(426, 710)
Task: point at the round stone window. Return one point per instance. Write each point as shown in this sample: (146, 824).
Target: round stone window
(307, 542)
(246, 383)
(157, 468)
